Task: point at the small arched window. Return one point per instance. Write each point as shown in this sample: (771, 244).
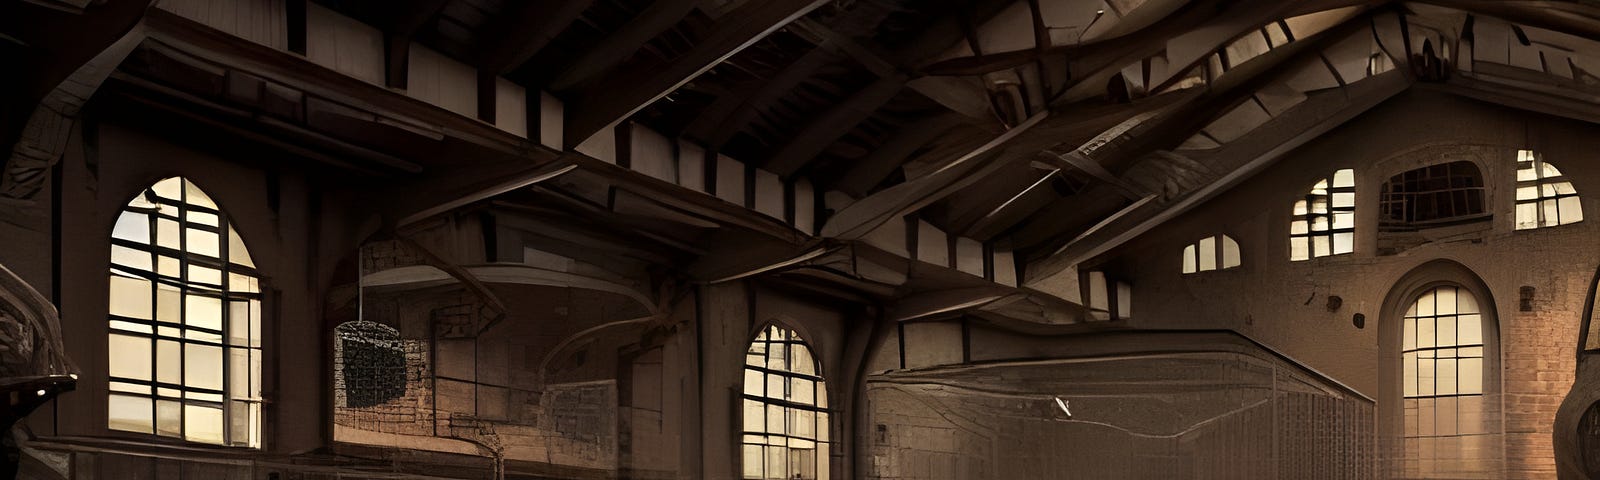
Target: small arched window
(1211, 253)
(1545, 198)
(785, 409)
(1324, 222)
(1442, 355)
(185, 321)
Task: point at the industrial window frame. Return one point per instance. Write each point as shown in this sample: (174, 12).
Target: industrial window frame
(1462, 193)
(1324, 217)
(1422, 355)
(759, 439)
(174, 254)
(1545, 197)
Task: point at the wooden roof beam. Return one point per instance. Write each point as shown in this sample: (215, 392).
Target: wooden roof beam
(878, 165)
(619, 95)
(523, 32)
(717, 124)
(615, 48)
(1241, 159)
(833, 125)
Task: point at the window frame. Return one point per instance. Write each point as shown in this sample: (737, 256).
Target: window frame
(822, 415)
(1219, 260)
(1388, 197)
(1532, 162)
(1304, 211)
(175, 327)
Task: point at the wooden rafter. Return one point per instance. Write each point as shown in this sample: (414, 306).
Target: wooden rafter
(617, 96)
(527, 29)
(619, 45)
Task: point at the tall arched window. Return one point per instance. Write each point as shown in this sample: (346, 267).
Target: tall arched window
(185, 321)
(1446, 421)
(785, 409)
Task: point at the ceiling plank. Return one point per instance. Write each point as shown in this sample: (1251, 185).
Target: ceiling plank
(716, 127)
(833, 125)
(869, 171)
(522, 33)
(619, 95)
(615, 48)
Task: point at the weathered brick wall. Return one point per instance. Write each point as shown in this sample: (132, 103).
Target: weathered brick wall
(1285, 304)
(1539, 366)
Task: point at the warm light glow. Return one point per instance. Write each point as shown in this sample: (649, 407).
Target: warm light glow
(785, 409)
(185, 311)
(1544, 196)
(1442, 356)
(1323, 223)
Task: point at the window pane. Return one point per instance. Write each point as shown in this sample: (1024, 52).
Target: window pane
(237, 253)
(239, 424)
(238, 373)
(167, 234)
(1189, 265)
(202, 366)
(202, 311)
(202, 424)
(755, 416)
(1208, 254)
(1343, 243)
(753, 461)
(171, 188)
(239, 323)
(754, 384)
(1344, 178)
(1571, 211)
(202, 242)
(133, 227)
(129, 413)
(169, 418)
(130, 297)
(1471, 370)
(1425, 376)
(169, 362)
(775, 420)
(206, 275)
(130, 356)
(168, 266)
(130, 258)
(1299, 248)
(1445, 383)
(193, 196)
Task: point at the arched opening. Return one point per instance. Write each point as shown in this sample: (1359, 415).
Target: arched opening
(1439, 400)
(785, 409)
(185, 321)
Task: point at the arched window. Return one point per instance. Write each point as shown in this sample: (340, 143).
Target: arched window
(1432, 196)
(785, 409)
(185, 321)
(1324, 221)
(1446, 417)
(1545, 198)
(1211, 253)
